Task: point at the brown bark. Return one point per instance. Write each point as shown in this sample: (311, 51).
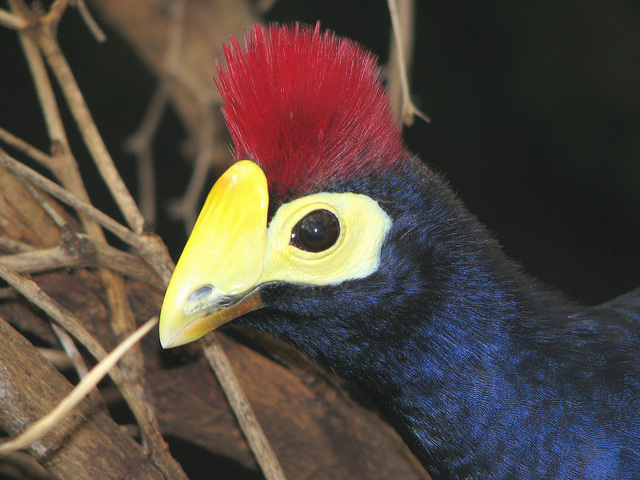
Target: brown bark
(86, 444)
(315, 427)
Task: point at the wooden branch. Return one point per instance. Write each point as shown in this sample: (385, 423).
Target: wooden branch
(52, 419)
(70, 199)
(47, 99)
(75, 100)
(9, 20)
(80, 251)
(25, 148)
(65, 166)
(85, 445)
(205, 135)
(12, 246)
(402, 27)
(91, 24)
(72, 325)
(249, 424)
(140, 142)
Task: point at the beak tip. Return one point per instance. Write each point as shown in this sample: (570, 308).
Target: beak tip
(166, 340)
(170, 327)
(172, 340)
(165, 343)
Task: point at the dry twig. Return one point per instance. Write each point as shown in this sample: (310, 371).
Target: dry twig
(39, 41)
(44, 424)
(402, 23)
(249, 424)
(91, 24)
(14, 22)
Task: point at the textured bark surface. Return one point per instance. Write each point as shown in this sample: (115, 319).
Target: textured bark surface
(87, 443)
(315, 427)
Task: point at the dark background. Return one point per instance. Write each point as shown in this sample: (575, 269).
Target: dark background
(535, 108)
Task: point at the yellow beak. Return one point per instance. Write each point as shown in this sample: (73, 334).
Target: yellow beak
(216, 275)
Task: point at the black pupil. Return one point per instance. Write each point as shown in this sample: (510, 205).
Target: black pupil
(316, 232)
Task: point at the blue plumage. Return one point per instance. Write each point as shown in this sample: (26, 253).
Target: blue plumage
(483, 373)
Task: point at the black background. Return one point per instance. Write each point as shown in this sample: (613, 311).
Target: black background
(535, 108)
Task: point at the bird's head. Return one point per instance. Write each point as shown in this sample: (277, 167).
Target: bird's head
(300, 227)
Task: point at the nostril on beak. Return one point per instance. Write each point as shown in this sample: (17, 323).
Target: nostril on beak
(200, 294)
(207, 298)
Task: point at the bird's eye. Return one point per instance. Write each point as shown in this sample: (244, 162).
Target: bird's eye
(316, 232)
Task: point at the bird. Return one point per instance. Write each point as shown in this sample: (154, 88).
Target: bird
(327, 233)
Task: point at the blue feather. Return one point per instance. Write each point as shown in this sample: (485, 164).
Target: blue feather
(483, 373)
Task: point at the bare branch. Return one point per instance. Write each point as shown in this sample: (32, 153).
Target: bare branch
(46, 96)
(67, 320)
(12, 246)
(46, 207)
(12, 21)
(57, 357)
(68, 345)
(49, 46)
(91, 24)
(91, 136)
(56, 11)
(45, 424)
(25, 148)
(65, 196)
(187, 207)
(140, 144)
(404, 23)
(80, 251)
(239, 402)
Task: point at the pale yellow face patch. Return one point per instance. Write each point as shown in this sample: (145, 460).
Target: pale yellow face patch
(232, 252)
(356, 253)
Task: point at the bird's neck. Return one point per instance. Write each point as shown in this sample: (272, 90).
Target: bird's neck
(445, 384)
(440, 368)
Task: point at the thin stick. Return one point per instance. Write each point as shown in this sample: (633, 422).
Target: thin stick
(12, 21)
(122, 318)
(57, 358)
(88, 20)
(63, 317)
(46, 98)
(38, 429)
(186, 208)
(122, 232)
(13, 246)
(140, 144)
(241, 407)
(409, 110)
(89, 131)
(150, 247)
(78, 251)
(69, 346)
(141, 141)
(148, 425)
(46, 206)
(25, 148)
(56, 11)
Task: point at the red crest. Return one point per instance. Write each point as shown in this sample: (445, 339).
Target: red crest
(307, 106)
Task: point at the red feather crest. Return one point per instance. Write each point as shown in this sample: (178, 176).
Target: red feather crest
(307, 106)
